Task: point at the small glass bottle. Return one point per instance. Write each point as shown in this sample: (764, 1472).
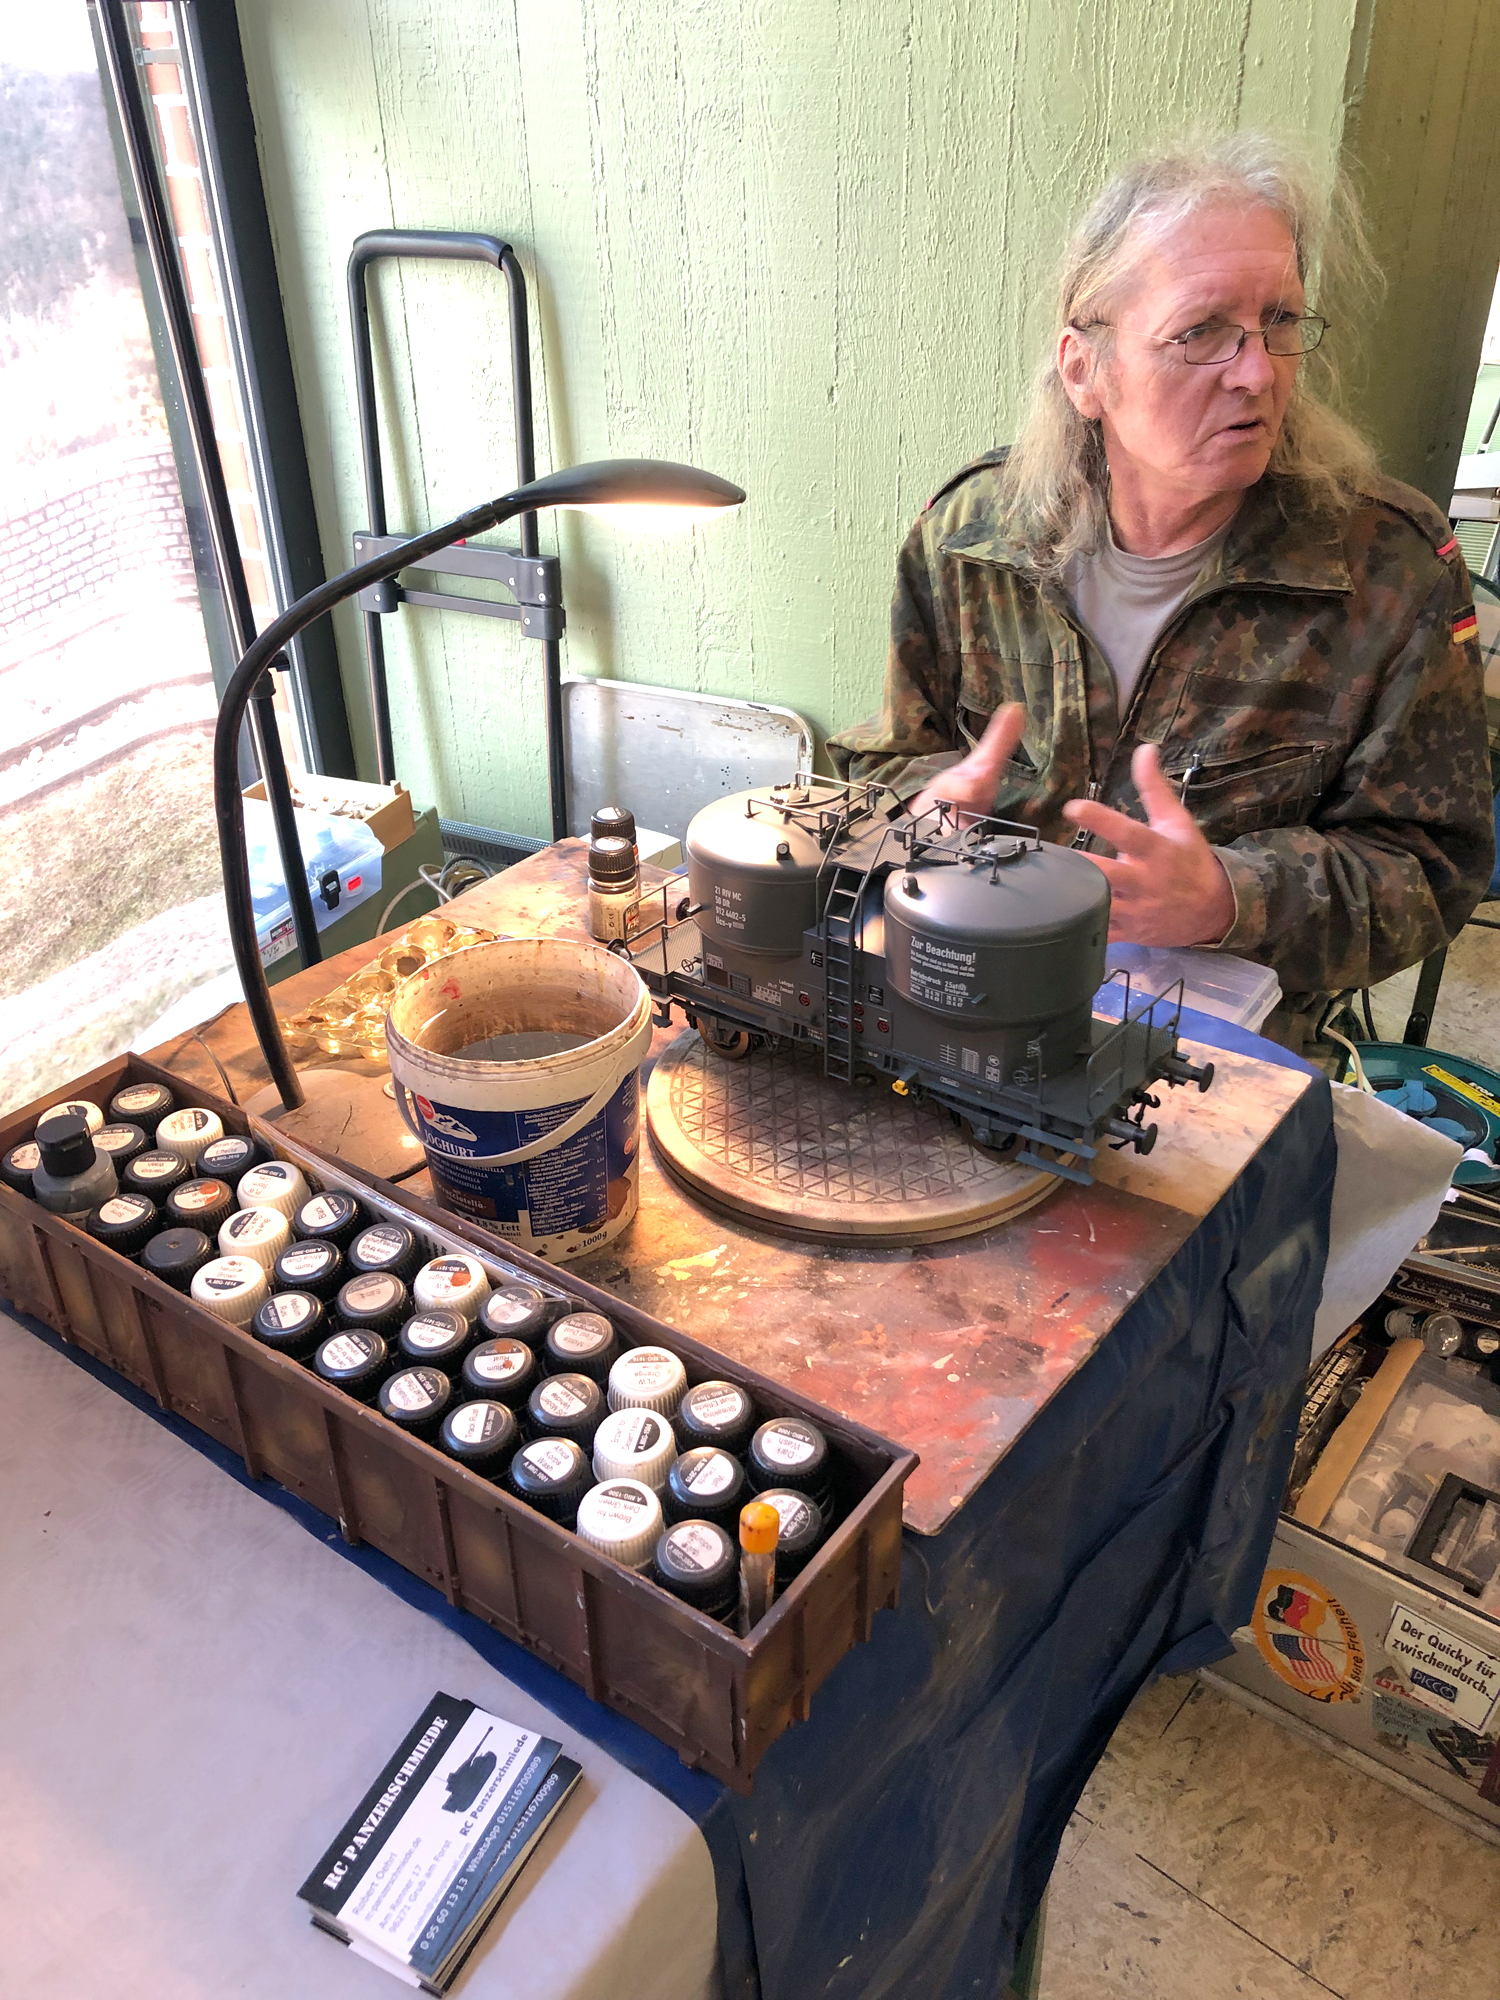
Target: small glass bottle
(614, 884)
(72, 1178)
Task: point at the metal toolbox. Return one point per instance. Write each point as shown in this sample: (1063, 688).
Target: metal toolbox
(720, 1701)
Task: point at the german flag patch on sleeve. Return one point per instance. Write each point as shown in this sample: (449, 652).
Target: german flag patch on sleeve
(1465, 625)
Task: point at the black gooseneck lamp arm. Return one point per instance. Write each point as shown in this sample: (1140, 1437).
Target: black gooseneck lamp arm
(637, 482)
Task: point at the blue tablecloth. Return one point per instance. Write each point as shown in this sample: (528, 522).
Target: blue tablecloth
(897, 1842)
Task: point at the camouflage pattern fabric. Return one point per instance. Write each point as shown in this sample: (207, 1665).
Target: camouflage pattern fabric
(1318, 695)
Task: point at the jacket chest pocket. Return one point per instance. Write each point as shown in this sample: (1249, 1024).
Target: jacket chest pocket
(989, 680)
(1268, 788)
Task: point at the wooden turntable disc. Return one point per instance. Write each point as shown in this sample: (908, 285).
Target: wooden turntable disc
(770, 1139)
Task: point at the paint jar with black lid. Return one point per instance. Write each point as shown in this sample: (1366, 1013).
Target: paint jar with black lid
(156, 1174)
(123, 1143)
(790, 1452)
(374, 1299)
(706, 1484)
(313, 1267)
(176, 1256)
(581, 1343)
(354, 1359)
(480, 1435)
(718, 1413)
(514, 1311)
(802, 1529)
(126, 1222)
(440, 1337)
(330, 1217)
(415, 1399)
(291, 1323)
(504, 1369)
(18, 1166)
(143, 1104)
(230, 1157)
(386, 1246)
(697, 1562)
(566, 1406)
(551, 1474)
(205, 1204)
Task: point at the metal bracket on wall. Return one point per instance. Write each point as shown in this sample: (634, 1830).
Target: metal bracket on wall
(535, 581)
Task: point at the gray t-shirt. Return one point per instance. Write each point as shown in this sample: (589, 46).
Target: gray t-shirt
(1124, 602)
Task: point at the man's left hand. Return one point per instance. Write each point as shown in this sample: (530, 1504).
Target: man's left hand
(1166, 886)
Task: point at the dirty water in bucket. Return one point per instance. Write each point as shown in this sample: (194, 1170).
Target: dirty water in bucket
(522, 1045)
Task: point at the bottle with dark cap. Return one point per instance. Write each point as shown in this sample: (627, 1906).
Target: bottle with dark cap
(156, 1174)
(705, 1484)
(228, 1158)
(614, 884)
(386, 1246)
(206, 1204)
(612, 823)
(791, 1452)
(354, 1359)
(292, 1323)
(441, 1337)
(515, 1311)
(122, 1143)
(415, 1399)
(176, 1256)
(718, 1413)
(566, 1406)
(143, 1104)
(504, 1369)
(480, 1435)
(698, 1563)
(582, 1343)
(313, 1267)
(551, 1474)
(71, 1178)
(126, 1222)
(802, 1529)
(374, 1299)
(19, 1165)
(330, 1217)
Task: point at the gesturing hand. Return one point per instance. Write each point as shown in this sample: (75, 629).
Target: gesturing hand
(1167, 886)
(973, 782)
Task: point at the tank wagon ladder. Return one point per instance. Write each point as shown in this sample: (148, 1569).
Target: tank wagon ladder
(840, 915)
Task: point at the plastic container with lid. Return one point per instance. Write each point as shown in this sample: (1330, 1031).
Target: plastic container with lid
(802, 1530)
(621, 1519)
(699, 1563)
(260, 1233)
(354, 1359)
(313, 1267)
(156, 1174)
(126, 1222)
(455, 1280)
(515, 1311)
(793, 1453)
(231, 1288)
(582, 1343)
(122, 1143)
(565, 1406)
(206, 1204)
(189, 1133)
(416, 1399)
(274, 1184)
(19, 1164)
(385, 1246)
(227, 1158)
(292, 1323)
(705, 1484)
(503, 1369)
(718, 1413)
(143, 1104)
(176, 1256)
(551, 1474)
(330, 1217)
(635, 1444)
(89, 1112)
(374, 1299)
(439, 1336)
(647, 1378)
(333, 845)
(481, 1435)
(71, 1178)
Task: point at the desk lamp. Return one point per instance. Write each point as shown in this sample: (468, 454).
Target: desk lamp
(628, 486)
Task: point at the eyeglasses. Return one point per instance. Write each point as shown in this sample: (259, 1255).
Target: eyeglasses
(1212, 344)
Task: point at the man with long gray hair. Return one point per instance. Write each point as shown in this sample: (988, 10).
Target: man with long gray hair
(1186, 622)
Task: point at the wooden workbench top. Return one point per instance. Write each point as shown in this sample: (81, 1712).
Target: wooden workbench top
(951, 1349)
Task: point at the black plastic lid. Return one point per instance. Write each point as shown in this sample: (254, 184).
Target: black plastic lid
(375, 1299)
(611, 860)
(386, 1246)
(705, 1484)
(176, 1254)
(697, 1561)
(790, 1452)
(416, 1398)
(66, 1146)
(354, 1358)
(330, 1217)
(313, 1267)
(203, 1204)
(292, 1323)
(801, 1529)
(1484, 1342)
(143, 1104)
(439, 1336)
(718, 1413)
(156, 1174)
(504, 1369)
(566, 1406)
(551, 1474)
(613, 823)
(227, 1158)
(121, 1143)
(19, 1164)
(516, 1312)
(481, 1434)
(126, 1222)
(582, 1343)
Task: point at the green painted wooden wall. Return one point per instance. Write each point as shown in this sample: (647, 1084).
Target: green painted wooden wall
(806, 245)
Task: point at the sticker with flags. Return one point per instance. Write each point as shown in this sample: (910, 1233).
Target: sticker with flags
(1307, 1638)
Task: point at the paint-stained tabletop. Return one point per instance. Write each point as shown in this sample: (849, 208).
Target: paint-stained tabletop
(950, 1349)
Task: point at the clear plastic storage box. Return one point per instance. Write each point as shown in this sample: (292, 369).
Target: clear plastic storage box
(342, 857)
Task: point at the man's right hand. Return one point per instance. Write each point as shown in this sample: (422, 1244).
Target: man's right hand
(973, 782)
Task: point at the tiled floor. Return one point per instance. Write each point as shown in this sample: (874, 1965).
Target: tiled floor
(1215, 1854)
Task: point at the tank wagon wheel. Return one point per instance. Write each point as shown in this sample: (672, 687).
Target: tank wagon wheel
(731, 1044)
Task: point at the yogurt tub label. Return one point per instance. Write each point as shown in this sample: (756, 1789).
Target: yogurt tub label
(695, 1546)
(551, 1458)
(475, 1423)
(558, 1400)
(710, 1478)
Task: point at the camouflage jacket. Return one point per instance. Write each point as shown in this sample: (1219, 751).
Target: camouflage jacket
(1318, 695)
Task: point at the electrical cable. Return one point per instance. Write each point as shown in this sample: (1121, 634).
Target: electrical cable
(436, 879)
(1364, 995)
(1360, 1078)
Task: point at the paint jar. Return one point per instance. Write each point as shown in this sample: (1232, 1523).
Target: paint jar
(698, 1563)
(614, 885)
(71, 1178)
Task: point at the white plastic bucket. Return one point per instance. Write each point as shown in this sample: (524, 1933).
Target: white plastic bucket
(544, 1149)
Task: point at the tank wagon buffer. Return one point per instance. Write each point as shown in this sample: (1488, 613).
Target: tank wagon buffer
(953, 958)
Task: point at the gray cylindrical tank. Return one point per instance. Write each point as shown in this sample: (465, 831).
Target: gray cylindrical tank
(1013, 937)
(754, 874)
